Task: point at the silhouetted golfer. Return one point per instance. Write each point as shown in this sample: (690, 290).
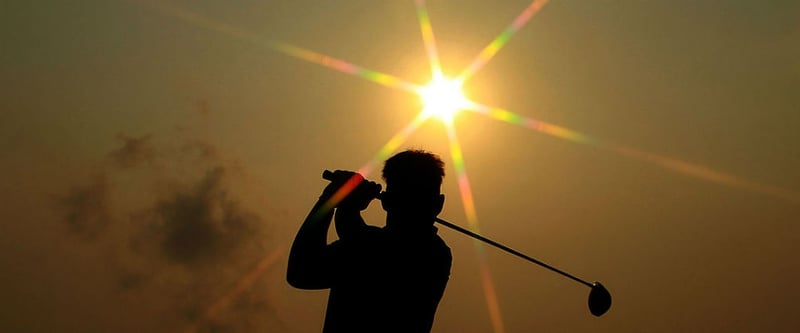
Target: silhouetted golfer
(386, 279)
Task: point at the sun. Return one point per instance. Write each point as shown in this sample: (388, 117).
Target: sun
(443, 98)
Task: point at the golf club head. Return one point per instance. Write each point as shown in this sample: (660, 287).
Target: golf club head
(599, 299)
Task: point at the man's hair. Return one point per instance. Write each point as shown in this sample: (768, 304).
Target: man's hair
(417, 170)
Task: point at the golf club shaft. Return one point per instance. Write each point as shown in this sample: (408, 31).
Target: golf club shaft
(509, 250)
(328, 175)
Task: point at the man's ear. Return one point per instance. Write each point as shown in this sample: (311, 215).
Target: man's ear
(438, 204)
(385, 201)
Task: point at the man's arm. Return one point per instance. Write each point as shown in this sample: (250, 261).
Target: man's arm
(309, 258)
(348, 222)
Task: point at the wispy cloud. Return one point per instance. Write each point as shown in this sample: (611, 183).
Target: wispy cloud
(87, 207)
(133, 151)
(168, 211)
(204, 223)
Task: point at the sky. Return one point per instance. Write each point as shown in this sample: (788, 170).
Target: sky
(158, 158)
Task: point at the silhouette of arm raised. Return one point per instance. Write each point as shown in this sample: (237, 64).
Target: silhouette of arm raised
(348, 222)
(309, 257)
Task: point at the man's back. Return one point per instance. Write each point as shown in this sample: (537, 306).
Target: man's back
(384, 281)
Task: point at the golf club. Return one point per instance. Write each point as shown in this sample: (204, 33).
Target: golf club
(599, 297)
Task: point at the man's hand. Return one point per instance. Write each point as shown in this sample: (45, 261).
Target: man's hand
(352, 189)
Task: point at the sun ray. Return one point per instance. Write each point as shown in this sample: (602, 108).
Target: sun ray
(198, 20)
(285, 48)
(490, 50)
(708, 174)
(345, 67)
(427, 37)
(468, 202)
(669, 163)
(245, 282)
(393, 143)
(538, 125)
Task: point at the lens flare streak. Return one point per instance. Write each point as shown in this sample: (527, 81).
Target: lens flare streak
(490, 50)
(675, 165)
(199, 20)
(393, 144)
(472, 219)
(337, 197)
(345, 67)
(427, 36)
(285, 48)
(708, 174)
(538, 125)
(245, 282)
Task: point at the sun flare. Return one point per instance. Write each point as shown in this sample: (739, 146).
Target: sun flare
(443, 98)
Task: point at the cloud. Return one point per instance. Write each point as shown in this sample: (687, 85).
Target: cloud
(133, 151)
(169, 216)
(203, 224)
(87, 207)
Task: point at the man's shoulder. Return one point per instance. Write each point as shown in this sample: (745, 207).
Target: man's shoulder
(441, 248)
(438, 241)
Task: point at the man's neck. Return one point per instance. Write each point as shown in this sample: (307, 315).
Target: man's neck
(410, 228)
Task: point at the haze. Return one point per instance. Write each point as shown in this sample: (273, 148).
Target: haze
(155, 169)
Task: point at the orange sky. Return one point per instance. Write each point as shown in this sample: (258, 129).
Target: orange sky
(152, 163)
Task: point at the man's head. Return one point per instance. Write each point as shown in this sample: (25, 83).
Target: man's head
(413, 183)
